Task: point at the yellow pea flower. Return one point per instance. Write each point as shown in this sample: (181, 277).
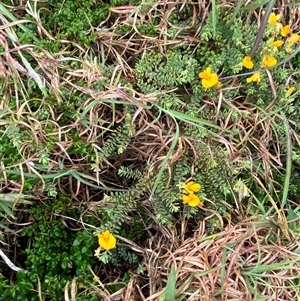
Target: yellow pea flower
(254, 78)
(209, 79)
(294, 38)
(290, 91)
(192, 200)
(273, 19)
(278, 43)
(106, 240)
(285, 30)
(192, 187)
(268, 61)
(247, 62)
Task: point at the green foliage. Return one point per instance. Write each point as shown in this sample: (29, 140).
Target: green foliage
(123, 256)
(121, 203)
(225, 52)
(8, 148)
(151, 29)
(26, 290)
(230, 46)
(74, 20)
(156, 72)
(22, 291)
(209, 171)
(54, 256)
(52, 253)
(116, 143)
(124, 215)
(166, 200)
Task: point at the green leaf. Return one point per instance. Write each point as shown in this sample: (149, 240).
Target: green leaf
(21, 276)
(6, 207)
(255, 4)
(171, 284)
(76, 242)
(214, 17)
(235, 13)
(262, 27)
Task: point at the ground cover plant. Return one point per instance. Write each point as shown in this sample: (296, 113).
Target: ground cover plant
(150, 150)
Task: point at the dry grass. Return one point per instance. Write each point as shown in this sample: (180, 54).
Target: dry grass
(246, 261)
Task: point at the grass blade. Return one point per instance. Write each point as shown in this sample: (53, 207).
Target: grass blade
(288, 163)
(256, 4)
(214, 18)
(236, 11)
(288, 58)
(171, 284)
(262, 27)
(165, 161)
(169, 294)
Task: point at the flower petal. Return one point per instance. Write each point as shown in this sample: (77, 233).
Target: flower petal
(194, 200)
(290, 91)
(273, 18)
(254, 78)
(285, 30)
(106, 240)
(269, 61)
(278, 43)
(191, 187)
(207, 83)
(205, 74)
(185, 199)
(294, 38)
(247, 62)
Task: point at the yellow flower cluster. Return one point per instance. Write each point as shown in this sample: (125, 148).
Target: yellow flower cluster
(284, 31)
(290, 41)
(191, 198)
(269, 60)
(210, 79)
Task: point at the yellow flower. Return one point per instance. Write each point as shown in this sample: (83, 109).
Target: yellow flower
(192, 200)
(278, 43)
(209, 79)
(247, 62)
(96, 279)
(290, 91)
(294, 38)
(268, 61)
(273, 19)
(106, 240)
(254, 78)
(192, 187)
(285, 30)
